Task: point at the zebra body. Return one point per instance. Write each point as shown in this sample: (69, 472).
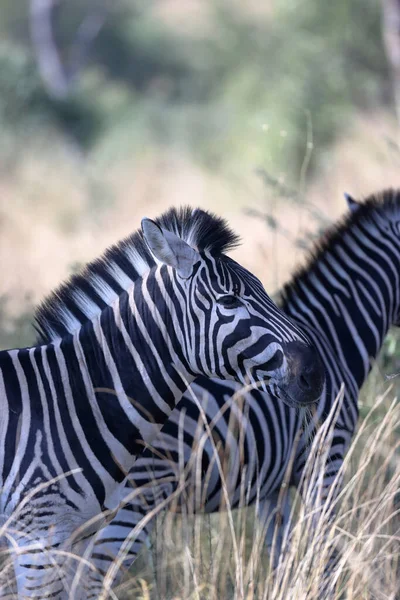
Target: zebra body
(345, 300)
(77, 410)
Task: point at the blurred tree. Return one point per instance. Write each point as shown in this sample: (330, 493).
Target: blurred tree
(58, 75)
(25, 105)
(300, 69)
(391, 35)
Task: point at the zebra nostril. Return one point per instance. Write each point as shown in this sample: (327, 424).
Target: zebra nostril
(304, 383)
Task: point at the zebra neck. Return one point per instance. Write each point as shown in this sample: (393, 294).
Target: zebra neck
(347, 299)
(129, 369)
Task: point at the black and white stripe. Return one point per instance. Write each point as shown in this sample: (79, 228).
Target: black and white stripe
(346, 299)
(119, 345)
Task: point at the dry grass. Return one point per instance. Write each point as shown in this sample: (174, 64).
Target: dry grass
(223, 556)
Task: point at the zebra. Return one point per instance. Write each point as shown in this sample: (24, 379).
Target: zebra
(80, 406)
(345, 299)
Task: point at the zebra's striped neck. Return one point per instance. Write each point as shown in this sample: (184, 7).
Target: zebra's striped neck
(348, 295)
(119, 376)
(134, 361)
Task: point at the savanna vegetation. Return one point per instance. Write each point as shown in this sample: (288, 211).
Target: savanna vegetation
(263, 112)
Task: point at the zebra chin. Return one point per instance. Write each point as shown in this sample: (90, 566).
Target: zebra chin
(291, 399)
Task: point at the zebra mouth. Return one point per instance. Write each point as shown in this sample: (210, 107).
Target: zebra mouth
(270, 385)
(282, 394)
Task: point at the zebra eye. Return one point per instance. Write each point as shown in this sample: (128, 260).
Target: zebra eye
(229, 301)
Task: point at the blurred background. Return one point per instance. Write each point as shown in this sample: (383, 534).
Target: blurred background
(265, 112)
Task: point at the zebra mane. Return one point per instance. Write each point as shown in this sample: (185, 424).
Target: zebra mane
(382, 203)
(101, 281)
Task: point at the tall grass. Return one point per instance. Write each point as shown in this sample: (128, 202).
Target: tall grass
(223, 555)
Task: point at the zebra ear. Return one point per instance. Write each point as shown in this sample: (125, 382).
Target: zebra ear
(169, 249)
(352, 204)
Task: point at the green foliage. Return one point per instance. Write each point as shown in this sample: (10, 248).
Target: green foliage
(26, 108)
(390, 356)
(269, 89)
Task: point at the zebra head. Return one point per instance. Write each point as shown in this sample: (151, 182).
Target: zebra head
(227, 325)
(214, 316)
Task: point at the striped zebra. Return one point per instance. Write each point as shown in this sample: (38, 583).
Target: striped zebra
(345, 299)
(120, 344)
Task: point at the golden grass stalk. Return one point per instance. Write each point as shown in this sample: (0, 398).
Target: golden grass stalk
(222, 556)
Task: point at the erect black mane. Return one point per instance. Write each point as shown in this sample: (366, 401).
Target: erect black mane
(380, 203)
(102, 280)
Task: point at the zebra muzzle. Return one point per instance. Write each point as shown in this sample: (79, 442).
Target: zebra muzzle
(304, 380)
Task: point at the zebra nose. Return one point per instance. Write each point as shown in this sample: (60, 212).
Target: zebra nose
(306, 374)
(311, 379)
